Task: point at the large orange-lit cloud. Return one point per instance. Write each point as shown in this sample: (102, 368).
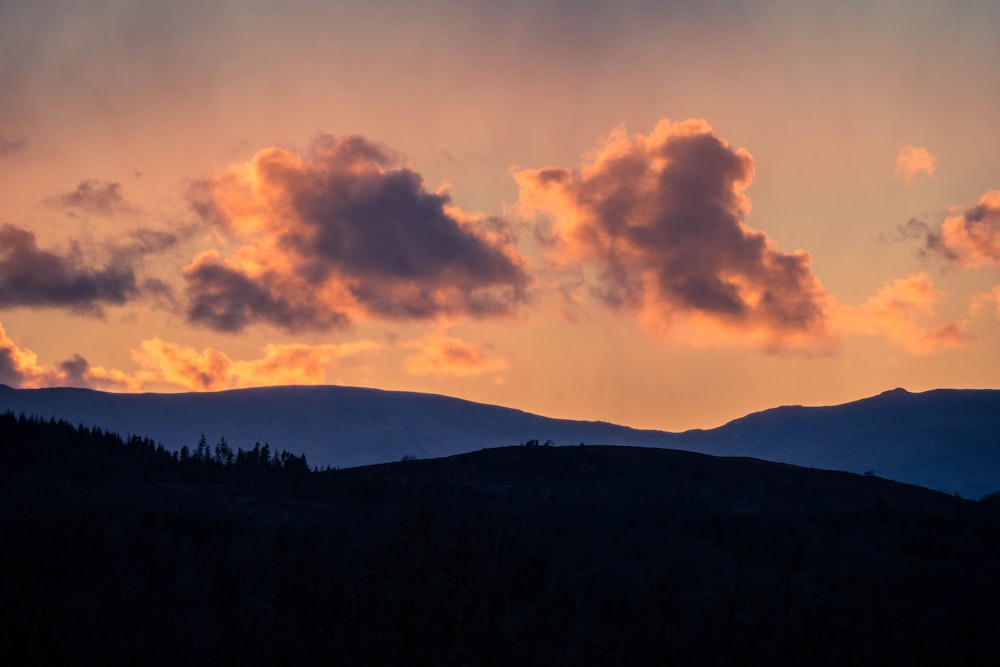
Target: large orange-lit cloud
(30, 276)
(913, 160)
(968, 240)
(441, 355)
(903, 311)
(661, 218)
(341, 233)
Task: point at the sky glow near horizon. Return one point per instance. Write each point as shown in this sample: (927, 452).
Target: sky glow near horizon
(665, 215)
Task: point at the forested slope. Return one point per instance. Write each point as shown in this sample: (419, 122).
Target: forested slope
(119, 552)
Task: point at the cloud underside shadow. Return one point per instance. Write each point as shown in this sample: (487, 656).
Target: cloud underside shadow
(33, 277)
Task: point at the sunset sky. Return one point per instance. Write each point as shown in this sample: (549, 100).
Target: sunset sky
(661, 214)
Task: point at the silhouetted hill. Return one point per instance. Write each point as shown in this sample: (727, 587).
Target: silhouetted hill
(623, 477)
(117, 552)
(945, 439)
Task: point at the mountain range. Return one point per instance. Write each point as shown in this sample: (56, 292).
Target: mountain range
(945, 439)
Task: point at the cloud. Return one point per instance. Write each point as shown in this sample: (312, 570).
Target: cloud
(902, 312)
(19, 367)
(229, 298)
(345, 233)
(75, 371)
(163, 363)
(11, 147)
(95, 197)
(912, 160)
(211, 369)
(915, 229)
(972, 239)
(441, 355)
(33, 277)
(661, 219)
(968, 240)
(146, 241)
(991, 297)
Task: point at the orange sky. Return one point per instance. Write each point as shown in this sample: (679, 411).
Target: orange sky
(659, 214)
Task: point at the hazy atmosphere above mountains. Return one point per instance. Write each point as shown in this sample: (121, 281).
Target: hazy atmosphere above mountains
(661, 214)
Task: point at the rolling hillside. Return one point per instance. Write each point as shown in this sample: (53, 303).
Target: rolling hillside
(945, 439)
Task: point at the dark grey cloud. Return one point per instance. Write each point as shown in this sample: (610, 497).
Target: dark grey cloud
(32, 277)
(348, 233)
(228, 300)
(95, 197)
(73, 372)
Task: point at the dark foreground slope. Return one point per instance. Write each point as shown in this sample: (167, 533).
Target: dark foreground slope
(946, 439)
(118, 553)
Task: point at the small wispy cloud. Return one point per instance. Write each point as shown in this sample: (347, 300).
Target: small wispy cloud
(12, 146)
(903, 312)
(94, 197)
(441, 355)
(989, 298)
(913, 160)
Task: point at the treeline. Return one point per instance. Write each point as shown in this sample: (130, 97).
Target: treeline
(58, 450)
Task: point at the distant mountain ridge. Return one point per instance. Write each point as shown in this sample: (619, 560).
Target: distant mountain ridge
(946, 439)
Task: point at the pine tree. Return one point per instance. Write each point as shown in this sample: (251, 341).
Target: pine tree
(203, 453)
(223, 452)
